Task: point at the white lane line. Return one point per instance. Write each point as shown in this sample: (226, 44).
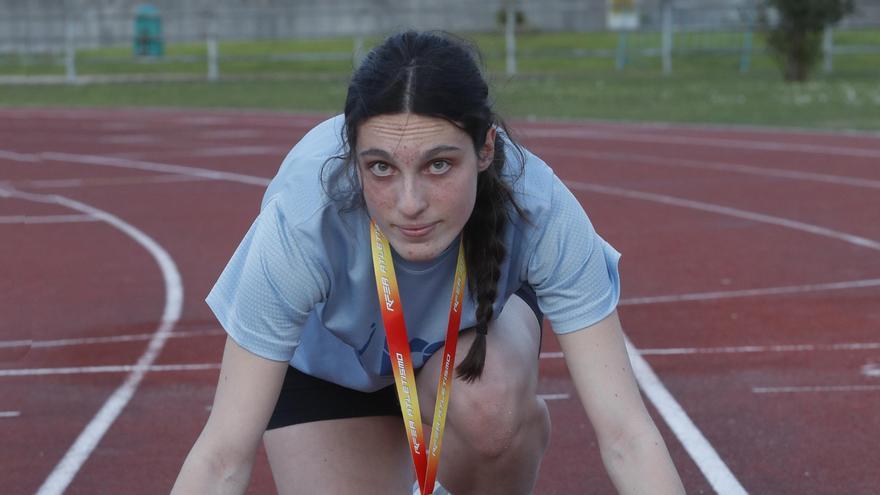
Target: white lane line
(128, 139)
(35, 219)
(105, 181)
(718, 166)
(750, 349)
(73, 459)
(739, 144)
(747, 349)
(726, 210)
(89, 370)
(706, 458)
(204, 173)
(18, 157)
(816, 389)
(871, 370)
(230, 134)
(10, 414)
(767, 291)
(239, 150)
(38, 344)
(554, 396)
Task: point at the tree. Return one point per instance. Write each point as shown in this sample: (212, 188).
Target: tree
(794, 31)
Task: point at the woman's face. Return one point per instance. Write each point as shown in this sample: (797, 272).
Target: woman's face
(419, 177)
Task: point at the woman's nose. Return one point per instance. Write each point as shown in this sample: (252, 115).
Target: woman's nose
(412, 201)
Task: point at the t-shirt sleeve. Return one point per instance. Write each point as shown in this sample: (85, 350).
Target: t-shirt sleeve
(572, 269)
(266, 292)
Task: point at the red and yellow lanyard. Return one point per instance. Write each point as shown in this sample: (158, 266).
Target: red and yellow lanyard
(424, 460)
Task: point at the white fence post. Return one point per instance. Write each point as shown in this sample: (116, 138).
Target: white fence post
(667, 36)
(213, 67)
(510, 38)
(828, 50)
(69, 52)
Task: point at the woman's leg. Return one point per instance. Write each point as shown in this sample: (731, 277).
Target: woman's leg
(341, 456)
(497, 428)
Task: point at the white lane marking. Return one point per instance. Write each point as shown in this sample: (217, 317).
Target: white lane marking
(38, 344)
(791, 289)
(73, 459)
(239, 150)
(746, 349)
(10, 414)
(815, 389)
(35, 219)
(205, 173)
(106, 181)
(719, 166)
(706, 458)
(205, 120)
(749, 349)
(726, 210)
(554, 396)
(871, 370)
(739, 144)
(128, 139)
(18, 157)
(88, 370)
(230, 134)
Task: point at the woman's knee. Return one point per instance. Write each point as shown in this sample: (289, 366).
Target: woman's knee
(494, 418)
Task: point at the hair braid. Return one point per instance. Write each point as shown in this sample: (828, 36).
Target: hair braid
(484, 253)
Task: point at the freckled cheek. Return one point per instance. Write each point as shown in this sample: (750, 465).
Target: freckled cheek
(379, 200)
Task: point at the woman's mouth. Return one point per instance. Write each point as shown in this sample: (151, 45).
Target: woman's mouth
(416, 231)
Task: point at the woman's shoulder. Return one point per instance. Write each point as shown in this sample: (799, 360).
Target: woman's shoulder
(298, 186)
(532, 181)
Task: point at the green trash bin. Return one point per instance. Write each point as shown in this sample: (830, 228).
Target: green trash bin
(147, 31)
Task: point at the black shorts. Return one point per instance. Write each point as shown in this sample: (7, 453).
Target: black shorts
(304, 398)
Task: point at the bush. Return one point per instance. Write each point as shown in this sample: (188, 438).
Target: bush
(794, 31)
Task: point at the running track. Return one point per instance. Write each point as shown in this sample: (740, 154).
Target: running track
(751, 294)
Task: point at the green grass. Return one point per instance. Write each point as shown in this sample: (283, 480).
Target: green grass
(706, 86)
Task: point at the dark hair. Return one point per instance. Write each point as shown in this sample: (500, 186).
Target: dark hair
(437, 75)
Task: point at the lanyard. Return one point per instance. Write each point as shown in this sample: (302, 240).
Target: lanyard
(425, 461)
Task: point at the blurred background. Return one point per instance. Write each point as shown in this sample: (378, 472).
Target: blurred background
(708, 61)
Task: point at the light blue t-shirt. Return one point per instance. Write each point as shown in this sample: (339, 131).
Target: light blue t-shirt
(300, 287)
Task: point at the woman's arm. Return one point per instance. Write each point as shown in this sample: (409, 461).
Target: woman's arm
(633, 451)
(220, 462)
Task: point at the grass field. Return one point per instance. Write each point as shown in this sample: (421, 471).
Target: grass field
(569, 75)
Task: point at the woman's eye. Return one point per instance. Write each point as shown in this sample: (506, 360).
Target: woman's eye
(380, 169)
(439, 167)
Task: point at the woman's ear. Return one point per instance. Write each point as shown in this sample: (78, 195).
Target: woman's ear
(487, 153)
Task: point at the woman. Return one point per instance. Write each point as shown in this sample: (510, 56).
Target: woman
(420, 159)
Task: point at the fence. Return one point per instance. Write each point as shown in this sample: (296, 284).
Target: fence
(207, 43)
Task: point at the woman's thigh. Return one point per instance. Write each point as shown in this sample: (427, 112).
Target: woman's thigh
(340, 456)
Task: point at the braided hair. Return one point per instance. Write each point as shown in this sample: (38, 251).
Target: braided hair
(438, 75)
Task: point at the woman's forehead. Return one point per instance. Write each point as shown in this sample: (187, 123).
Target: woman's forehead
(408, 131)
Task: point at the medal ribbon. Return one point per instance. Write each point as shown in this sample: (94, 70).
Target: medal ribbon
(424, 460)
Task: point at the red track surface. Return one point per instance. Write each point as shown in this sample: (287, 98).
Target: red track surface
(90, 279)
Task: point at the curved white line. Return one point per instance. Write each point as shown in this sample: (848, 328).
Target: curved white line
(89, 438)
(720, 166)
(767, 291)
(726, 210)
(156, 167)
(739, 144)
